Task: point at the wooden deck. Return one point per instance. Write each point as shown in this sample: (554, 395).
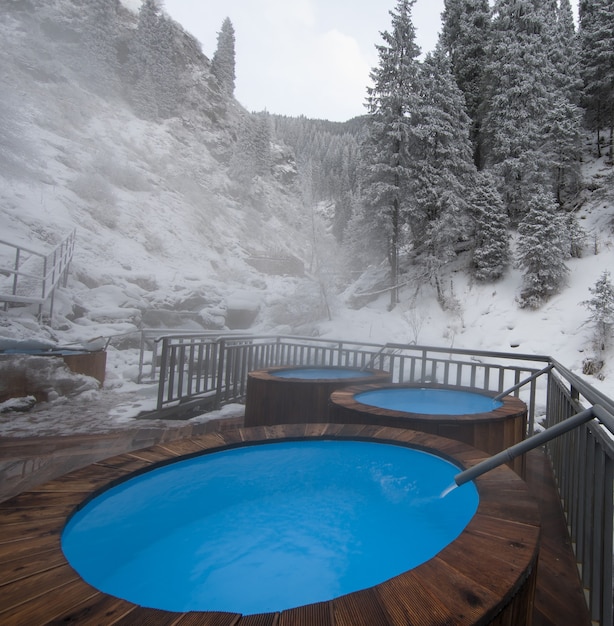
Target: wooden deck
(37, 586)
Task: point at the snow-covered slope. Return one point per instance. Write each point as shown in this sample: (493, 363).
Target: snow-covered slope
(160, 224)
(161, 227)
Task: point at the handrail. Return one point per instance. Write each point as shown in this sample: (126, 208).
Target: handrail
(55, 266)
(522, 383)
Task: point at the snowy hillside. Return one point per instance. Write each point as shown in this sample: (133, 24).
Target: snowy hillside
(160, 225)
(162, 228)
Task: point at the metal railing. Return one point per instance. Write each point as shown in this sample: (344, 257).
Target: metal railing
(183, 365)
(33, 276)
(583, 463)
(190, 367)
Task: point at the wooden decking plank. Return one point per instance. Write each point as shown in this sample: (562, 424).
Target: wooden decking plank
(127, 463)
(86, 479)
(31, 546)
(182, 447)
(465, 597)
(359, 609)
(264, 619)
(318, 614)
(47, 607)
(41, 584)
(408, 603)
(210, 619)
(29, 564)
(153, 455)
(31, 528)
(148, 617)
(42, 501)
(99, 608)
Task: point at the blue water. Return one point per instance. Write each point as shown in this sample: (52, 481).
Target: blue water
(268, 527)
(320, 373)
(429, 401)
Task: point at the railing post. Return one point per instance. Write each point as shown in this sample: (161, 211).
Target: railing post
(220, 373)
(163, 368)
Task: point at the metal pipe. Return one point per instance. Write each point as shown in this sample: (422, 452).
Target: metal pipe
(524, 446)
(523, 382)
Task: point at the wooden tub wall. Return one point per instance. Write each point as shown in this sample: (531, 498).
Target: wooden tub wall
(271, 399)
(492, 431)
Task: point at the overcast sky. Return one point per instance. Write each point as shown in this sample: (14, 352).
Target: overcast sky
(303, 57)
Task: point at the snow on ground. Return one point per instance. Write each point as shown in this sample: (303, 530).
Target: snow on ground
(487, 318)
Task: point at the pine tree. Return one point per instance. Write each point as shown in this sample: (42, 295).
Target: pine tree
(465, 37)
(564, 119)
(391, 102)
(153, 73)
(491, 252)
(519, 99)
(442, 166)
(601, 307)
(541, 251)
(223, 62)
(597, 62)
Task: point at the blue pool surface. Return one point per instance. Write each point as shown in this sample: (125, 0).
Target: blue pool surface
(429, 401)
(320, 373)
(267, 527)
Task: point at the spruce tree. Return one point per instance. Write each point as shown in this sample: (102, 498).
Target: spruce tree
(442, 164)
(465, 37)
(491, 251)
(153, 73)
(519, 99)
(541, 251)
(392, 101)
(564, 119)
(601, 307)
(597, 62)
(223, 62)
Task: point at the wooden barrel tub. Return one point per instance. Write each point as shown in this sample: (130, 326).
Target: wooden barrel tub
(485, 576)
(286, 395)
(491, 431)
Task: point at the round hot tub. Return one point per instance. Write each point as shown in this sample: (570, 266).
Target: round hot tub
(461, 413)
(444, 587)
(288, 523)
(297, 395)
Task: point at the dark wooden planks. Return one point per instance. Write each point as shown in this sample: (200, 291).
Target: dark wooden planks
(446, 590)
(559, 599)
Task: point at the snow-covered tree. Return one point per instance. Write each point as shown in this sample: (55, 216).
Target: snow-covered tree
(392, 102)
(252, 152)
(491, 252)
(153, 73)
(223, 62)
(597, 63)
(465, 37)
(520, 101)
(601, 307)
(541, 251)
(563, 124)
(442, 164)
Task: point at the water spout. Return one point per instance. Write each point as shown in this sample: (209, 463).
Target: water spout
(448, 490)
(528, 444)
